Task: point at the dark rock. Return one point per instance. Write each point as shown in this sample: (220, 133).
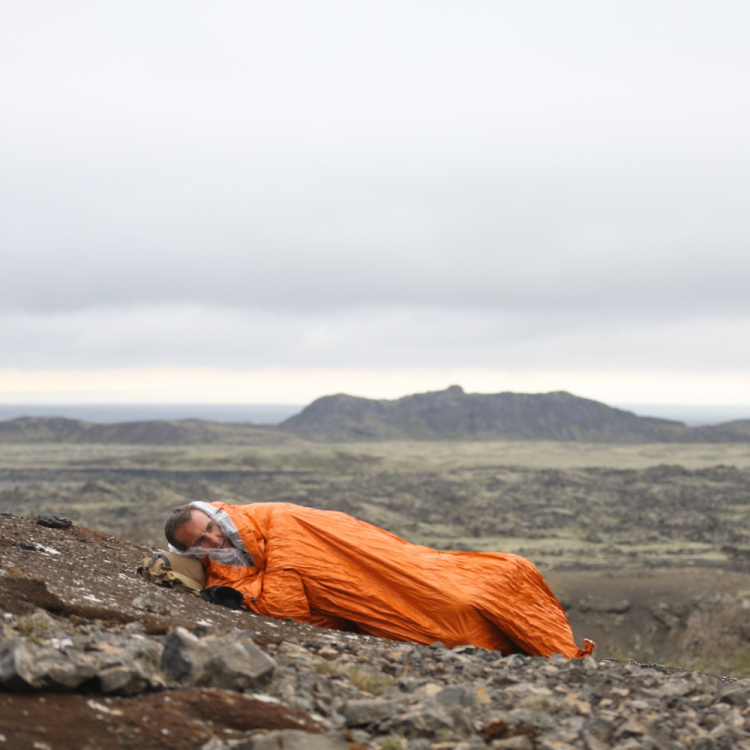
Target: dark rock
(25, 666)
(735, 693)
(215, 662)
(54, 522)
(111, 664)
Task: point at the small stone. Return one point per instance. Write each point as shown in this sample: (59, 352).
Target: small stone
(423, 720)
(122, 680)
(600, 729)
(532, 721)
(496, 728)
(518, 742)
(465, 649)
(294, 739)
(407, 684)
(590, 664)
(456, 697)
(592, 742)
(153, 601)
(516, 660)
(367, 711)
(631, 728)
(214, 744)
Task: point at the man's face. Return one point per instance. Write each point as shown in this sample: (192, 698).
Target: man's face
(201, 531)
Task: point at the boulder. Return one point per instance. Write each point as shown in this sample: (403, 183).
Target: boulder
(213, 661)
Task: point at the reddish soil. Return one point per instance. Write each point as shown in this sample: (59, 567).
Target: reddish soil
(175, 719)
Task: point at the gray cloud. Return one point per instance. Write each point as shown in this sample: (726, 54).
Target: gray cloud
(377, 338)
(418, 182)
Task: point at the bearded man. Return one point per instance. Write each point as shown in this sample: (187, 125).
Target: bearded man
(329, 569)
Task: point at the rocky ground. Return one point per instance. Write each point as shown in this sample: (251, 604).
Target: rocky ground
(93, 657)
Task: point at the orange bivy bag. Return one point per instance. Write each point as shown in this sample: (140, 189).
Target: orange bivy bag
(330, 569)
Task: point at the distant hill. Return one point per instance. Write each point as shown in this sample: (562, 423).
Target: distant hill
(454, 414)
(154, 432)
(451, 414)
(737, 431)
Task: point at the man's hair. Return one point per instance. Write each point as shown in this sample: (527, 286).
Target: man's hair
(176, 519)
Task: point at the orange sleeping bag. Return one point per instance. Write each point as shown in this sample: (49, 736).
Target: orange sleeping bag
(327, 568)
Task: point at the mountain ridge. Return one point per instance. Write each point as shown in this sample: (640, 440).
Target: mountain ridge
(455, 414)
(450, 414)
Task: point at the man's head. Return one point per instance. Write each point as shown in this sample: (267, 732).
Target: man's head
(188, 527)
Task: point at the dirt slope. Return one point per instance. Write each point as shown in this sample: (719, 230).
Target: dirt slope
(355, 692)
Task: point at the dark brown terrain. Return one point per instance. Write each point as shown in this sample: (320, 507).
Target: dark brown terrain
(63, 584)
(94, 657)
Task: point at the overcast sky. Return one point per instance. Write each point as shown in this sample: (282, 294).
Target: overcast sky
(271, 201)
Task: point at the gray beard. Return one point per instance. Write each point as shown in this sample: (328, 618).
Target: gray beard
(226, 555)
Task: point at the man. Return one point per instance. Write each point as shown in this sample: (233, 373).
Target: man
(330, 569)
